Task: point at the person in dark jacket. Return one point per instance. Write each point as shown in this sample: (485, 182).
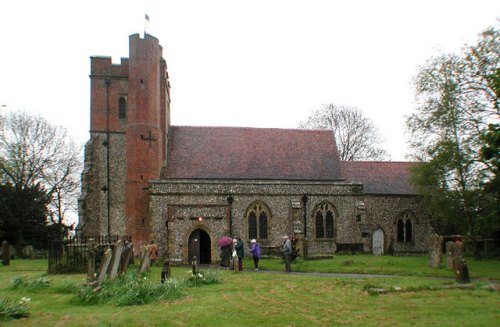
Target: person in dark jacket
(240, 252)
(255, 251)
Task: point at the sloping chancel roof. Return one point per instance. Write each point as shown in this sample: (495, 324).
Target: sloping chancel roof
(382, 177)
(252, 153)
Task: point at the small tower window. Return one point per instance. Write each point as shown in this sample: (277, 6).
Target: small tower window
(122, 108)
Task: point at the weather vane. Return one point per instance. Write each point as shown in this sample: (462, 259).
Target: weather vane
(146, 21)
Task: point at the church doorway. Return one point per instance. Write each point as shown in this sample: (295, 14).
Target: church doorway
(378, 242)
(200, 246)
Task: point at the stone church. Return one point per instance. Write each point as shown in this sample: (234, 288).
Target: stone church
(187, 186)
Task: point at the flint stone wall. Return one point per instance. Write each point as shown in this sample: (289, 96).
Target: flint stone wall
(185, 200)
(92, 204)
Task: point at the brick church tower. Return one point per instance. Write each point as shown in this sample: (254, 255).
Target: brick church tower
(130, 116)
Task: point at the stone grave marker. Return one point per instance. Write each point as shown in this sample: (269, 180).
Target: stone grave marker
(145, 260)
(457, 253)
(28, 252)
(127, 255)
(461, 271)
(435, 242)
(165, 273)
(103, 269)
(117, 255)
(6, 253)
(449, 254)
(91, 252)
(194, 266)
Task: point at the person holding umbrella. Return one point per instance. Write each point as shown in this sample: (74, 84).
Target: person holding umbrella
(225, 247)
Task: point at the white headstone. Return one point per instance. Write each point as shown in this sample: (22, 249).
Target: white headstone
(378, 242)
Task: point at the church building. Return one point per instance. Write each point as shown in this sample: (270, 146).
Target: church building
(187, 186)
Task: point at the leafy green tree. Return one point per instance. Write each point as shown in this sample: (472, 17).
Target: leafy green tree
(356, 136)
(456, 99)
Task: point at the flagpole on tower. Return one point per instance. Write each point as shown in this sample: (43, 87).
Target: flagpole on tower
(146, 21)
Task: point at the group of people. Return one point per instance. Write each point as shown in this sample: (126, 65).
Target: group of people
(236, 250)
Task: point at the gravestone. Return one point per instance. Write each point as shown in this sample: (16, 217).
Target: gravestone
(28, 252)
(127, 255)
(91, 252)
(194, 266)
(117, 255)
(378, 242)
(435, 242)
(103, 269)
(461, 271)
(165, 273)
(145, 260)
(6, 253)
(456, 253)
(449, 254)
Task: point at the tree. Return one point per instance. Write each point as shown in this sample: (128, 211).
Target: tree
(33, 153)
(356, 136)
(456, 101)
(23, 214)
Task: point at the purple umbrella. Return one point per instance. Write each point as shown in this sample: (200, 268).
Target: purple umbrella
(224, 241)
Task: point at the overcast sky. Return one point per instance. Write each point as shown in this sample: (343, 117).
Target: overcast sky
(237, 63)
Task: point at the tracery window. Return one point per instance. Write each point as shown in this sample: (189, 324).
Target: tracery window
(122, 108)
(325, 220)
(404, 227)
(258, 215)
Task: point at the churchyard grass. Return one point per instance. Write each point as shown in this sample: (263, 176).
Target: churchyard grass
(385, 265)
(272, 299)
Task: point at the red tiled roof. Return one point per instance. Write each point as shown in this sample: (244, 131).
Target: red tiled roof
(380, 177)
(252, 153)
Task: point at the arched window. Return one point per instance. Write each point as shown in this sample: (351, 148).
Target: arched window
(325, 214)
(122, 108)
(258, 227)
(404, 226)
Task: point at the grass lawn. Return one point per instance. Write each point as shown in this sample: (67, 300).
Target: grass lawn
(278, 299)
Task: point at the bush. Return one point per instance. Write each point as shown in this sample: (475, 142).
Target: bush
(13, 310)
(202, 278)
(31, 284)
(130, 289)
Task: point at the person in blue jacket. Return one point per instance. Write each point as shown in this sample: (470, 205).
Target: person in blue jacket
(255, 251)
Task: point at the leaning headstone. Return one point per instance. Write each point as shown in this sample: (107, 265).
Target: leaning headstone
(127, 256)
(6, 253)
(435, 242)
(145, 260)
(103, 269)
(117, 255)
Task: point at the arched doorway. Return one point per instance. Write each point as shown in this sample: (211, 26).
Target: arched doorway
(378, 242)
(199, 246)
